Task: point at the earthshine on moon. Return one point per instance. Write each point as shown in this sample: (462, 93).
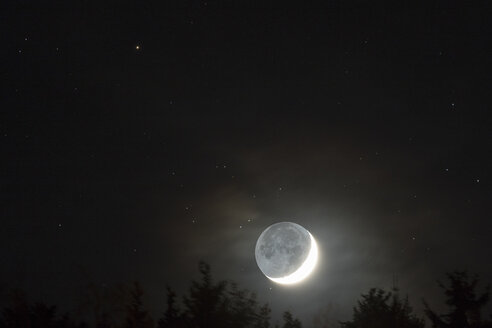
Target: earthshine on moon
(286, 253)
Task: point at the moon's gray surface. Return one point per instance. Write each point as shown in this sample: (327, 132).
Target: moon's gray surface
(282, 248)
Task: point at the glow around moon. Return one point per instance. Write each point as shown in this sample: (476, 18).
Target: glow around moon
(304, 270)
(286, 253)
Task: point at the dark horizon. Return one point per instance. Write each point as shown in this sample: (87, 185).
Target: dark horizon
(103, 305)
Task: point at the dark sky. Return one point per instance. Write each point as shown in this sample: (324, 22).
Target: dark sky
(141, 137)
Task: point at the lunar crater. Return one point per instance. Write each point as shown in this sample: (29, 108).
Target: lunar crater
(282, 248)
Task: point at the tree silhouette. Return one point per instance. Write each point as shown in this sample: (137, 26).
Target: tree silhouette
(242, 307)
(465, 305)
(107, 305)
(136, 315)
(172, 317)
(290, 321)
(43, 316)
(206, 303)
(380, 309)
(263, 318)
(215, 304)
(20, 314)
(66, 322)
(17, 313)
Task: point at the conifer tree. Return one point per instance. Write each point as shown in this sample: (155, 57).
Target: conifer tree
(172, 317)
(263, 318)
(290, 321)
(464, 303)
(380, 309)
(136, 315)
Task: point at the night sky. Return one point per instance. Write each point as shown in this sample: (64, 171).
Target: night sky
(140, 137)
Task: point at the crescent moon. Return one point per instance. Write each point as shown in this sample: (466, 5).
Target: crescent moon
(304, 270)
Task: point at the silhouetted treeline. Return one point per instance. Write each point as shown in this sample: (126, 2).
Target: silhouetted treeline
(383, 309)
(465, 306)
(218, 305)
(21, 314)
(380, 309)
(210, 304)
(207, 304)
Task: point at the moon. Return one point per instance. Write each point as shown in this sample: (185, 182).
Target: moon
(286, 253)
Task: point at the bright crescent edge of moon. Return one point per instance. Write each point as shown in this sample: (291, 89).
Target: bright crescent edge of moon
(304, 270)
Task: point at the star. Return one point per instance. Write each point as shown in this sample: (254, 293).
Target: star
(137, 47)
